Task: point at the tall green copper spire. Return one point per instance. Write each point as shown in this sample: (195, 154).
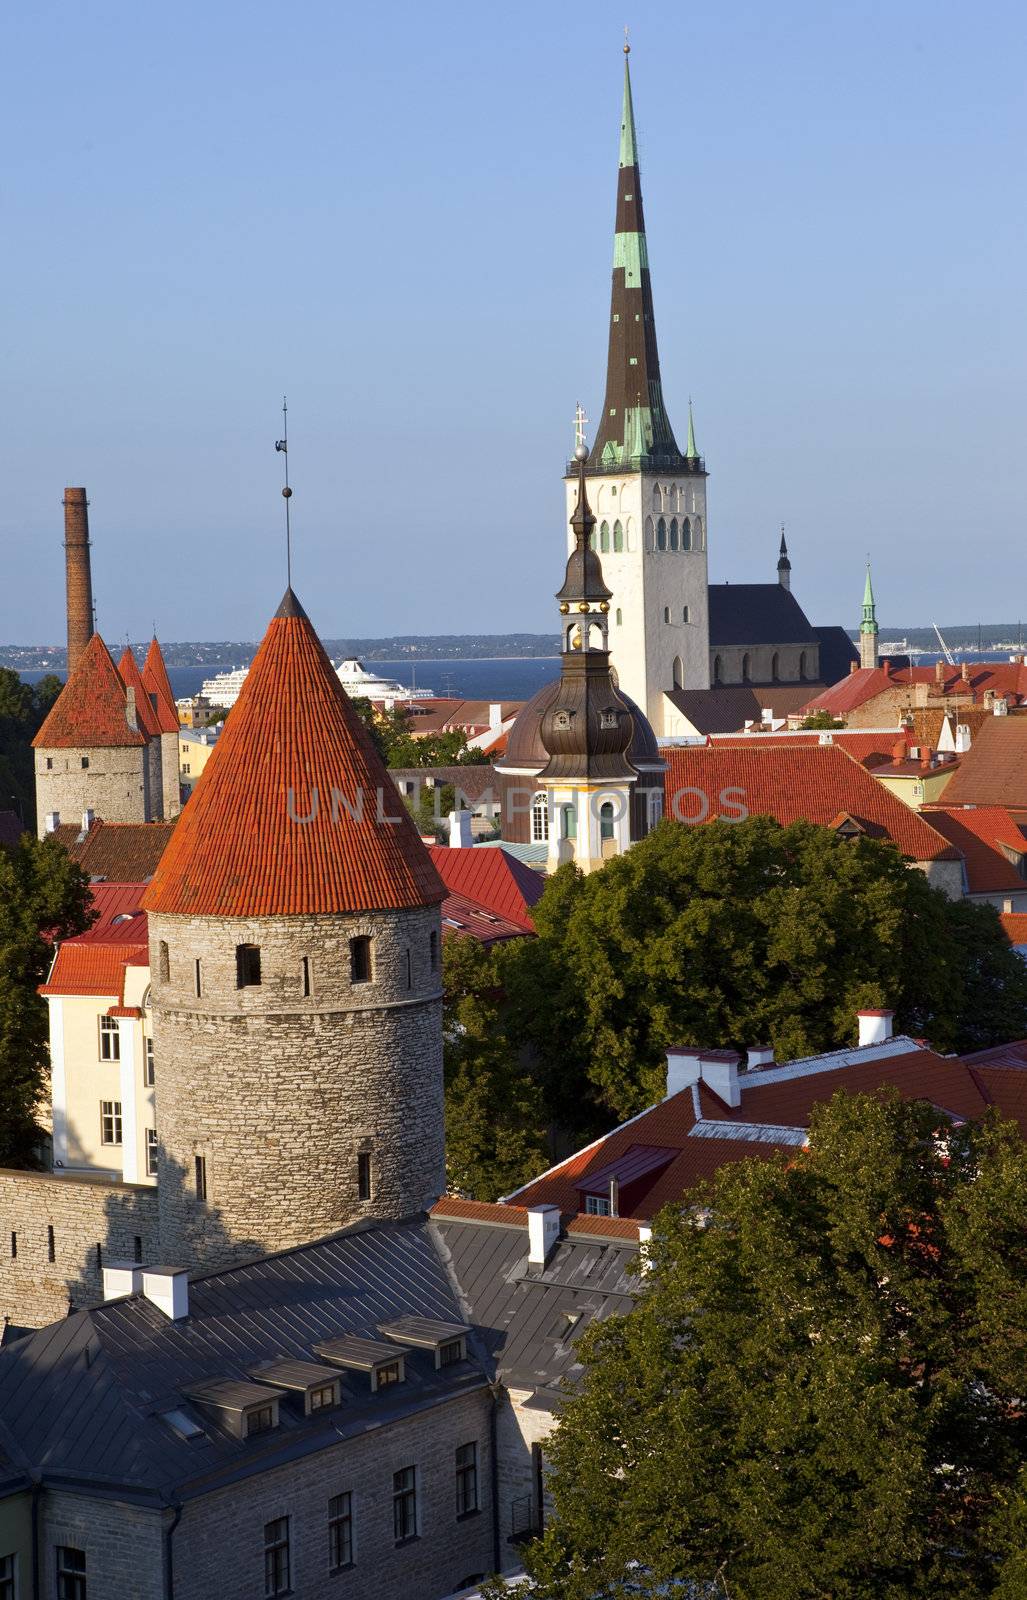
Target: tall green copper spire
(634, 431)
(691, 453)
(628, 142)
(868, 656)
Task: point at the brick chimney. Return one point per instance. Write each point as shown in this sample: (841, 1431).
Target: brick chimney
(79, 580)
(939, 672)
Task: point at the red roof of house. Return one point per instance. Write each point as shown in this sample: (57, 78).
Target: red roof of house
(1007, 678)
(128, 672)
(776, 1107)
(993, 772)
(465, 918)
(864, 744)
(155, 677)
(242, 847)
(118, 852)
(987, 836)
(90, 713)
(818, 783)
(1014, 926)
(493, 879)
(119, 914)
(84, 966)
(452, 1205)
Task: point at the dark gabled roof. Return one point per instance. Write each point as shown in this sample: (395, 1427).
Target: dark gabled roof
(756, 613)
(117, 852)
(530, 1317)
(84, 1398)
(837, 652)
(729, 707)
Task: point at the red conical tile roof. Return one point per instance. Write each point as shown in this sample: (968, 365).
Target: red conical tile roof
(91, 710)
(155, 677)
(128, 672)
(241, 848)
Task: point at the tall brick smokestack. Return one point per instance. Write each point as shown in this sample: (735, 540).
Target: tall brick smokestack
(80, 583)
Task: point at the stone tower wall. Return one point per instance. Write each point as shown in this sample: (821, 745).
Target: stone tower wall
(280, 1092)
(115, 785)
(172, 803)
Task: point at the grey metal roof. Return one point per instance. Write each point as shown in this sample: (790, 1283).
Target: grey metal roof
(82, 1399)
(425, 1331)
(520, 1311)
(295, 1374)
(362, 1354)
(232, 1395)
(756, 613)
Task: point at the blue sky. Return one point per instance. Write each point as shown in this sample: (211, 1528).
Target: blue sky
(402, 216)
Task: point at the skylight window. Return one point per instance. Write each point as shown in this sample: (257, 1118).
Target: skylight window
(181, 1423)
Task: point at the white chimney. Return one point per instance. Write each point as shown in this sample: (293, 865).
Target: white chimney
(682, 1070)
(88, 818)
(53, 821)
(1001, 706)
(121, 1277)
(767, 713)
(495, 716)
(460, 830)
(168, 1289)
(759, 1055)
(874, 1027)
(543, 1232)
(719, 1071)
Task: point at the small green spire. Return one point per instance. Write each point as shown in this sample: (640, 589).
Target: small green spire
(691, 453)
(869, 623)
(628, 142)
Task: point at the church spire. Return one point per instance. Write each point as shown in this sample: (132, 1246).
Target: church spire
(868, 656)
(635, 431)
(784, 566)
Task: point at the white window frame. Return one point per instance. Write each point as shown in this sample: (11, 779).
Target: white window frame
(540, 817)
(110, 1039)
(113, 1117)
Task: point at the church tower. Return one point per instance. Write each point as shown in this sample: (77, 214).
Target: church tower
(868, 654)
(649, 497)
(295, 953)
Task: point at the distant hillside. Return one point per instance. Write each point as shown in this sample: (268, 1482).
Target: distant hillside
(237, 653)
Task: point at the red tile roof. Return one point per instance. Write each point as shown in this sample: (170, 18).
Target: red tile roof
(1002, 677)
(775, 1099)
(155, 677)
(865, 745)
(493, 879)
(119, 914)
(118, 852)
(90, 713)
(128, 672)
(237, 851)
(517, 1216)
(462, 918)
(983, 834)
(993, 772)
(817, 783)
(86, 967)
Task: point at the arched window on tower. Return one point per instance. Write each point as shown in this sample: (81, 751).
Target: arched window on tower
(718, 670)
(802, 665)
(661, 534)
(686, 534)
(604, 538)
(657, 497)
(606, 820)
(649, 536)
(539, 817)
(746, 667)
(618, 537)
(698, 534)
(618, 616)
(679, 673)
(568, 822)
(673, 533)
(774, 667)
(594, 539)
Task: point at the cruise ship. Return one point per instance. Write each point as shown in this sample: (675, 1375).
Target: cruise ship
(223, 689)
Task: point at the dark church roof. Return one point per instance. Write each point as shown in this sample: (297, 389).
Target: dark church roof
(837, 652)
(727, 708)
(757, 613)
(524, 747)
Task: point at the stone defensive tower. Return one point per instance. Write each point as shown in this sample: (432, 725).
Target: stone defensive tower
(159, 691)
(295, 952)
(77, 574)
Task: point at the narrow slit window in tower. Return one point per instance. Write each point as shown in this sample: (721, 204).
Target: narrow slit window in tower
(200, 1175)
(360, 959)
(247, 966)
(364, 1175)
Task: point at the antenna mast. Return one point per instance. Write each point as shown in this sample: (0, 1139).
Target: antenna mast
(283, 445)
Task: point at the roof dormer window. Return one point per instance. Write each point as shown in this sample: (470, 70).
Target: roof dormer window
(425, 1333)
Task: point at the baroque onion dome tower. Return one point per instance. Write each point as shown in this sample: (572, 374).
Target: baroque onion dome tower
(650, 499)
(295, 952)
(580, 752)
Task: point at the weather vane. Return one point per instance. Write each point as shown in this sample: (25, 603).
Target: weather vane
(579, 424)
(283, 445)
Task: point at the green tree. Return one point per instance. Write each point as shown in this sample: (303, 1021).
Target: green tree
(44, 897)
(495, 1114)
(820, 720)
(735, 934)
(819, 1393)
(22, 710)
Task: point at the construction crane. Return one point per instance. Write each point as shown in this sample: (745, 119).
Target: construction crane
(946, 652)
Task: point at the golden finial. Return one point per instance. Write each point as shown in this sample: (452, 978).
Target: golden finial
(627, 46)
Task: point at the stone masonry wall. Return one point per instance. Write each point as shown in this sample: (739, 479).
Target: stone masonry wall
(172, 802)
(123, 1545)
(447, 1550)
(115, 785)
(761, 665)
(280, 1092)
(84, 1214)
(519, 1427)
